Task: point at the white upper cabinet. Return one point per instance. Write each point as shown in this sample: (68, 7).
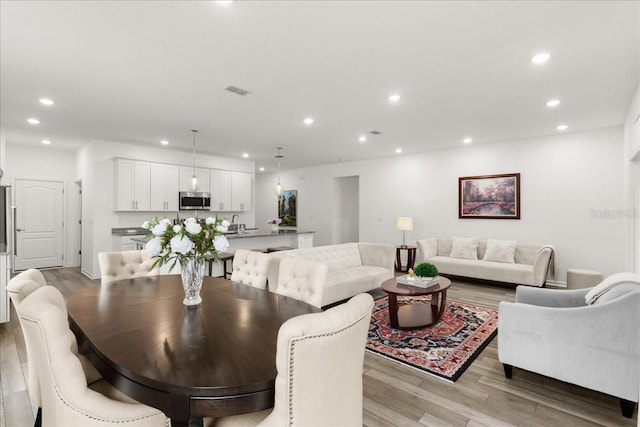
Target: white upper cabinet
(240, 191)
(165, 185)
(132, 185)
(220, 190)
(186, 173)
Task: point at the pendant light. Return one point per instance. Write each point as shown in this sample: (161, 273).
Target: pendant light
(194, 178)
(279, 156)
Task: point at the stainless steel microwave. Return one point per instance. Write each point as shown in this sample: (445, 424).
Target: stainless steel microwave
(194, 200)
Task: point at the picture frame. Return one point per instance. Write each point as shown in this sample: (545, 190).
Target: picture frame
(288, 208)
(489, 196)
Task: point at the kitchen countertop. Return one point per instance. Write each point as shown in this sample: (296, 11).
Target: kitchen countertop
(265, 232)
(129, 231)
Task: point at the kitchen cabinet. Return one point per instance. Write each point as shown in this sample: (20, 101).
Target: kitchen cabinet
(132, 185)
(240, 191)
(220, 190)
(186, 172)
(165, 185)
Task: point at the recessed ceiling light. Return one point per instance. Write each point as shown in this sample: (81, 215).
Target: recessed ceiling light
(394, 98)
(308, 121)
(398, 150)
(46, 101)
(245, 155)
(261, 169)
(467, 140)
(33, 121)
(362, 138)
(164, 142)
(553, 103)
(540, 58)
(562, 127)
(46, 142)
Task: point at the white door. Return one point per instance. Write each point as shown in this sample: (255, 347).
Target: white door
(39, 223)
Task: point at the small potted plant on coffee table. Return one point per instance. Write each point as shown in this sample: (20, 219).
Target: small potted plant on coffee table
(423, 275)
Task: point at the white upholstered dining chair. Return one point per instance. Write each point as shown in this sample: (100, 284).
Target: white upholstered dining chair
(319, 360)
(250, 268)
(302, 279)
(128, 264)
(66, 398)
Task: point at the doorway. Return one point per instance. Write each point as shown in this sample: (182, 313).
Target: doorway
(79, 188)
(39, 223)
(346, 210)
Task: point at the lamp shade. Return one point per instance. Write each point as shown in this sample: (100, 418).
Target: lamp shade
(404, 223)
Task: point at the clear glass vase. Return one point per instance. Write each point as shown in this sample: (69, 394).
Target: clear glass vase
(192, 274)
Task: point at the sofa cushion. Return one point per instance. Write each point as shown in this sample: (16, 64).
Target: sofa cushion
(500, 272)
(464, 247)
(343, 284)
(500, 251)
(444, 246)
(336, 257)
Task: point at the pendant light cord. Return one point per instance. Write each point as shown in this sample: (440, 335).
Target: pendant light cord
(194, 150)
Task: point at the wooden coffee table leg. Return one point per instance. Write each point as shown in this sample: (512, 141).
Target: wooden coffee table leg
(438, 309)
(393, 311)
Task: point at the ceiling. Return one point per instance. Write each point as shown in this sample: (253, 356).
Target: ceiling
(139, 72)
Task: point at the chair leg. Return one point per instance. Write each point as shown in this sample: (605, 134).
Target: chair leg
(627, 407)
(508, 370)
(38, 422)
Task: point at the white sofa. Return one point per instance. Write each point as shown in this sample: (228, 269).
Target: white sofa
(353, 268)
(505, 261)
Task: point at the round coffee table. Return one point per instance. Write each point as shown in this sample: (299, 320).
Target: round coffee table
(417, 315)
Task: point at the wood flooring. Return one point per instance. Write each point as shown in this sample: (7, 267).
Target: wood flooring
(394, 395)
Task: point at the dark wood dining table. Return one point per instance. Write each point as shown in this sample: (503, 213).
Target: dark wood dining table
(213, 360)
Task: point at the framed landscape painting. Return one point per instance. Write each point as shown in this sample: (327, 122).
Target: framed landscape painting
(489, 196)
(287, 207)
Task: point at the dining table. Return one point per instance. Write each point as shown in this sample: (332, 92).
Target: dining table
(212, 360)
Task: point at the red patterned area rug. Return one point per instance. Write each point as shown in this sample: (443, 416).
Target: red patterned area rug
(445, 349)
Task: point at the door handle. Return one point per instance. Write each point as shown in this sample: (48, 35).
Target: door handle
(20, 229)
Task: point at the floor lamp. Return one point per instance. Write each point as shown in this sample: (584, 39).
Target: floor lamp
(404, 224)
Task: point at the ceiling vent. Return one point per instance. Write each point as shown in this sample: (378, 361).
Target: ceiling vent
(236, 90)
(375, 132)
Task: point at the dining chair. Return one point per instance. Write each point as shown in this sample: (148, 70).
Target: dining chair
(319, 361)
(302, 279)
(250, 268)
(66, 397)
(126, 265)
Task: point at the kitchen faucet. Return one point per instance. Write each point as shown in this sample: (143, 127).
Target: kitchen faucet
(233, 218)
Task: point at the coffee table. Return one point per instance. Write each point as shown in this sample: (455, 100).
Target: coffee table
(417, 315)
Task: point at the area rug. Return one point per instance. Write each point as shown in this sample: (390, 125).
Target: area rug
(445, 349)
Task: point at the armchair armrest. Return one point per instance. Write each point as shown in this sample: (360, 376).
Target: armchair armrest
(541, 266)
(427, 248)
(551, 297)
(378, 255)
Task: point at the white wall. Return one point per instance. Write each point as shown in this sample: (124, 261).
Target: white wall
(52, 164)
(346, 217)
(569, 182)
(95, 167)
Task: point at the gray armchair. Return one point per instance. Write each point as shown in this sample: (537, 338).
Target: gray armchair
(557, 334)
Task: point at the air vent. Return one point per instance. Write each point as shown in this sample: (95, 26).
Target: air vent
(375, 132)
(236, 90)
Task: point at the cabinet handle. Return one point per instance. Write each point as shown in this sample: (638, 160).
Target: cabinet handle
(241, 206)
(133, 205)
(221, 205)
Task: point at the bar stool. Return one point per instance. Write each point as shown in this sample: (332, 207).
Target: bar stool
(224, 258)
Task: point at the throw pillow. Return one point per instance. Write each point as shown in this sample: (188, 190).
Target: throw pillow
(464, 247)
(609, 283)
(500, 251)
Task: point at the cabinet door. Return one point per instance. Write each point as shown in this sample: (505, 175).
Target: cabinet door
(186, 173)
(142, 186)
(123, 185)
(157, 196)
(241, 191)
(171, 187)
(220, 190)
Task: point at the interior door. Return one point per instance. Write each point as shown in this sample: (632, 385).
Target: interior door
(39, 223)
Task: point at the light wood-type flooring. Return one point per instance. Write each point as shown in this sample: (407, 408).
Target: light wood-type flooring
(394, 395)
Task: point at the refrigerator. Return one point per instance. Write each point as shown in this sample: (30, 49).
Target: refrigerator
(7, 236)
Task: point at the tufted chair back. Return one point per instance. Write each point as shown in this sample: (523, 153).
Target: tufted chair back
(126, 265)
(250, 268)
(66, 399)
(19, 288)
(319, 360)
(302, 279)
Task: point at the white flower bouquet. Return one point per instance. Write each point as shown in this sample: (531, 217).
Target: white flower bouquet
(186, 240)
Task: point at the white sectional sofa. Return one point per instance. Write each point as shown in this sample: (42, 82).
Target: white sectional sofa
(497, 260)
(353, 268)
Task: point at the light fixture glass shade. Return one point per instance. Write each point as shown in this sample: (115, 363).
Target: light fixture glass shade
(404, 223)
(194, 183)
(278, 189)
